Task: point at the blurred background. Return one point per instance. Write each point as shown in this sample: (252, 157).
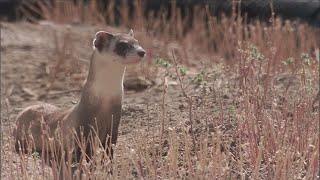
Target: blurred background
(117, 11)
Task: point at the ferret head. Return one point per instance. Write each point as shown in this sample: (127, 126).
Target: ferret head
(121, 45)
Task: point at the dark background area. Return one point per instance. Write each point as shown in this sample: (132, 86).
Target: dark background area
(306, 10)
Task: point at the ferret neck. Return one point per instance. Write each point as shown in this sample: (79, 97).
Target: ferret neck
(106, 73)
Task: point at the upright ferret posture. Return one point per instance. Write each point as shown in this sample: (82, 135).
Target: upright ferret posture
(99, 109)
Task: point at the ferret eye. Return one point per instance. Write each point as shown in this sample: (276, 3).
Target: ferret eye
(122, 48)
(124, 45)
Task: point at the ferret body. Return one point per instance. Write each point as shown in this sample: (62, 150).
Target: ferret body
(99, 110)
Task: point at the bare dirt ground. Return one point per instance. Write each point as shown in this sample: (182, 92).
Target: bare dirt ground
(34, 70)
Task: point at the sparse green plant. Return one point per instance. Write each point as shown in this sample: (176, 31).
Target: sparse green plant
(200, 78)
(254, 53)
(35, 155)
(162, 62)
(251, 52)
(288, 61)
(306, 59)
(183, 71)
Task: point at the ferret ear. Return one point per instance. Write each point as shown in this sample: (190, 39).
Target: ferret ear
(102, 39)
(131, 33)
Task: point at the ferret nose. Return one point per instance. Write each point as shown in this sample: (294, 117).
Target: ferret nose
(141, 53)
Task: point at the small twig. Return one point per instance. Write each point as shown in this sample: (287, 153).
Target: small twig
(316, 99)
(189, 98)
(57, 93)
(179, 77)
(64, 92)
(84, 60)
(165, 87)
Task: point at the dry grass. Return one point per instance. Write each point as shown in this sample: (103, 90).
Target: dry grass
(257, 121)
